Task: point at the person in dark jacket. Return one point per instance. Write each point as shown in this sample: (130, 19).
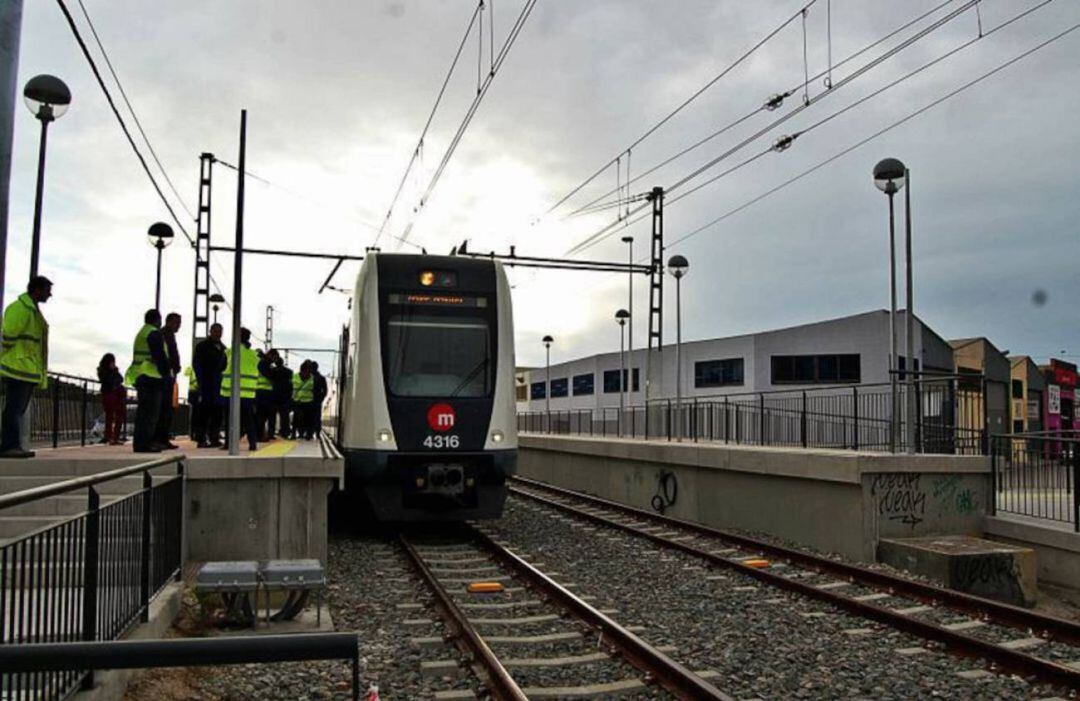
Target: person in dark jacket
(282, 379)
(320, 391)
(165, 418)
(264, 396)
(208, 362)
(113, 398)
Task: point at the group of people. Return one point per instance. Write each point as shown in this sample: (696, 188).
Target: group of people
(274, 401)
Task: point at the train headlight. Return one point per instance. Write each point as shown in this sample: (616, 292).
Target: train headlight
(383, 435)
(427, 278)
(497, 437)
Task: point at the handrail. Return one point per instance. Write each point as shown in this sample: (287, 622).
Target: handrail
(1055, 434)
(136, 654)
(50, 490)
(77, 378)
(798, 388)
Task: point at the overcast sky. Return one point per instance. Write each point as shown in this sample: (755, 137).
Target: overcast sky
(338, 91)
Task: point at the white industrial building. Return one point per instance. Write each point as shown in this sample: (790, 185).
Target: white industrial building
(851, 350)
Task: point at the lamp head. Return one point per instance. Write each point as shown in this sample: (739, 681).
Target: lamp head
(890, 175)
(621, 316)
(678, 266)
(547, 340)
(627, 239)
(160, 235)
(47, 97)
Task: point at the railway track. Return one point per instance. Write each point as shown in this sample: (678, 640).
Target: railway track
(534, 612)
(1014, 639)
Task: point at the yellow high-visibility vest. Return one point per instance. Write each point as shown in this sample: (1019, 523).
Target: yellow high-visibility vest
(141, 362)
(24, 353)
(249, 373)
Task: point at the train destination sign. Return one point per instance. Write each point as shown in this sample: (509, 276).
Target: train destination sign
(435, 299)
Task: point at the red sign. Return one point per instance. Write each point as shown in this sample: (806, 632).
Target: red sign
(440, 417)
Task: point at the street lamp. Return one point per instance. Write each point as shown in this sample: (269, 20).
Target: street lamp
(48, 98)
(890, 175)
(621, 317)
(629, 241)
(678, 266)
(160, 236)
(547, 341)
(215, 300)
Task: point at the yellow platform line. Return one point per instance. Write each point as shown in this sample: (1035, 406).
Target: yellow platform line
(275, 449)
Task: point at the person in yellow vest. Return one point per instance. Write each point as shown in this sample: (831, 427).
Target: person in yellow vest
(249, 381)
(24, 361)
(195, 420)
(148, 370)
(303, 400)
(264, 396)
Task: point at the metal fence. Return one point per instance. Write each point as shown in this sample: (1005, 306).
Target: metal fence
(92, 576)
(1037, 475)
(950, 418)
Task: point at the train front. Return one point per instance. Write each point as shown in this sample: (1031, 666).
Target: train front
(429, 432)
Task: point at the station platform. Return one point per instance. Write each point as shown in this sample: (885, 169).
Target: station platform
(267, 504)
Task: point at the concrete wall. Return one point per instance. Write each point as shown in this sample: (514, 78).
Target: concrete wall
(259, 508)
(838, 501)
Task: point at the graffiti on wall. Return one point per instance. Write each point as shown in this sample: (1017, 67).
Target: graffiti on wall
(905, 497)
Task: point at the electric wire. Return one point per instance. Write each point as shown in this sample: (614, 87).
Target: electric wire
(120, 119)
(826, 74)
(862, 70)
(685, 103)
(427, 125)
(504, 51)
(875, 135)
(131, 109)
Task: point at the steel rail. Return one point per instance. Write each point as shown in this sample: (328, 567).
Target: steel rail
(499, 682)
(668, 673)
(1012, 660)
(1052, 627)
(50, 490)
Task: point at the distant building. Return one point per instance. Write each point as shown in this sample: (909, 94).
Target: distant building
(1028, 392)
(990, 408)
(851, 350)
(1061, 389)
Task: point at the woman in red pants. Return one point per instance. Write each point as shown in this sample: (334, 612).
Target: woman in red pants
(113, 398)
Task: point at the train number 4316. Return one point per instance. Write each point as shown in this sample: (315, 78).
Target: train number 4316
(442, 442)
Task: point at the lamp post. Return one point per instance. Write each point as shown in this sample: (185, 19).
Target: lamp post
(678, 267)
(629, 241)
(48, 98)
(547, 340)
(160, 236)
(622, 317)
(215, 300)
(889, 176)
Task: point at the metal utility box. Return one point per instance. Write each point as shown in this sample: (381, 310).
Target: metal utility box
(236, 581)
(299, 578)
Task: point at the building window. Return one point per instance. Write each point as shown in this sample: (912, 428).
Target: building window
(611, 381)
(816, 369)
(1018, 426)
(521, 392)
(559, 387)
(584, 384)
(1018, 389)
(539, 390)
(903, 366)
(718, 373)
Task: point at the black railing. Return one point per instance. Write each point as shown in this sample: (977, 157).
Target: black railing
(89, 577)
(1037, 475)
(950, 418)
(58, 658)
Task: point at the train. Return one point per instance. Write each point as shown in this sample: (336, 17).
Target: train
(426, 408)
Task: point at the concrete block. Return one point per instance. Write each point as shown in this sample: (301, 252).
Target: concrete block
(440, 668)
(972, 565)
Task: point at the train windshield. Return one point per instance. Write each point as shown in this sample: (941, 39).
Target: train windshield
(438, 356)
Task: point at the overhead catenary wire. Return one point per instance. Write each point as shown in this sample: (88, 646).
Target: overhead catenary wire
(127, 132)
(857, 73)
(770, 104)
(875, 135)
(683, 105)
(131, 109)
(427, 125)
(504, 51)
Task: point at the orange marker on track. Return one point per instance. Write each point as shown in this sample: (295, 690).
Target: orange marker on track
(485, 587)
(756, 563)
